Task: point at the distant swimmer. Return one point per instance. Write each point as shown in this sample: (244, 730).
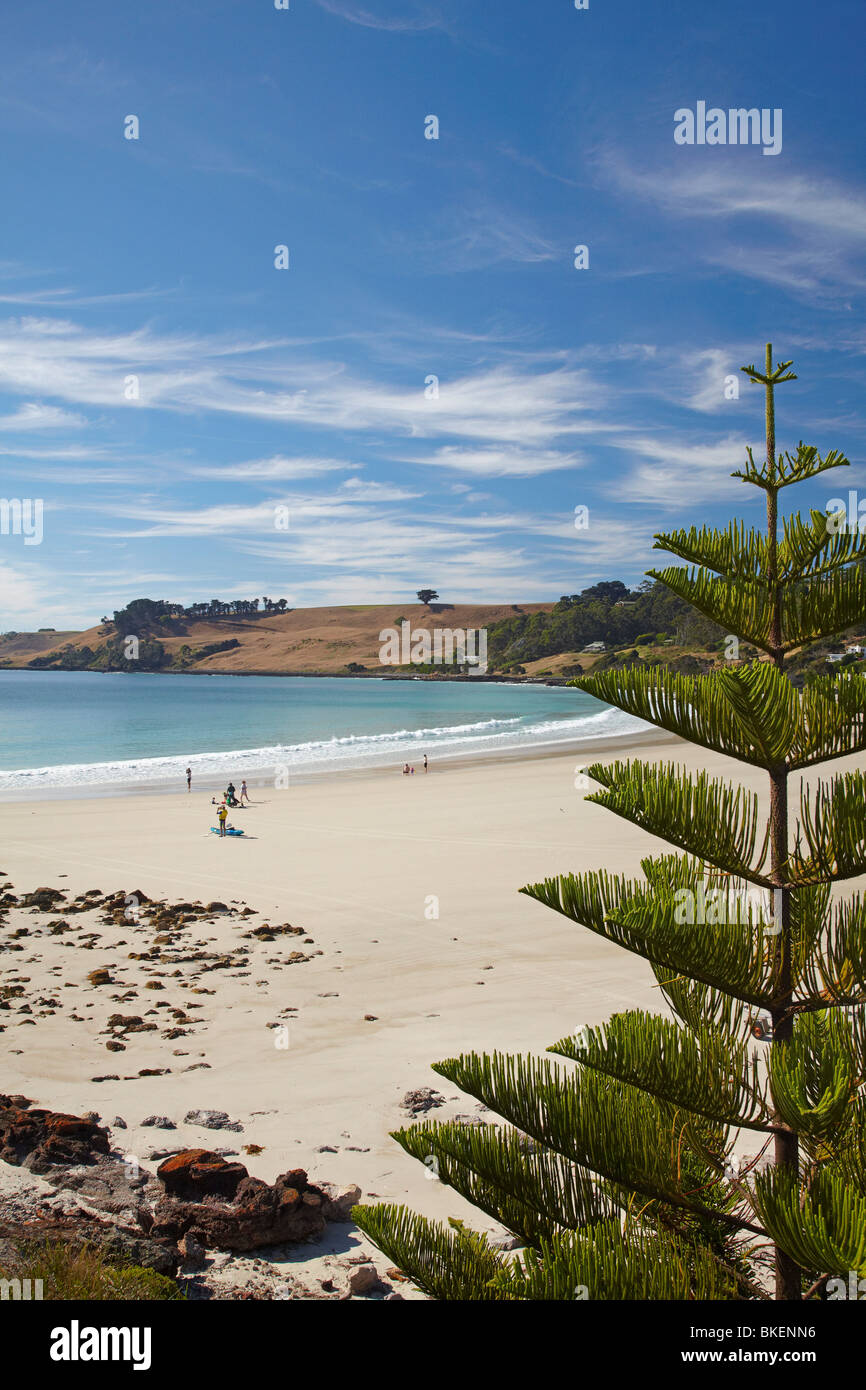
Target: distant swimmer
(189, 779)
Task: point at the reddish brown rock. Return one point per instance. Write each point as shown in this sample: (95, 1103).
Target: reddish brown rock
(259, 1213)
(197, 1173)
(41, 1139)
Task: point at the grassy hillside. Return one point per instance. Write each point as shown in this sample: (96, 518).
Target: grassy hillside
(302, 642)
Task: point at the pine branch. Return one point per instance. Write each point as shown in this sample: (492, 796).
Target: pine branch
(833, 823)
(532, 1191)
(708, 1072)
(449, 1264)
(619, 1133)
(649, 922)
(812, 1077)
(821, 547)
(607, 1263)
(789, 469)
(822, 1227)
(710, 819)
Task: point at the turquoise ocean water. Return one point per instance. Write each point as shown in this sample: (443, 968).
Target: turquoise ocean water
(83, 730)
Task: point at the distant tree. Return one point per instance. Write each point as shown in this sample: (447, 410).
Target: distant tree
(427, 596)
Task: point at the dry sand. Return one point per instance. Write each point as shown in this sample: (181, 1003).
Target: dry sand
(357, 863)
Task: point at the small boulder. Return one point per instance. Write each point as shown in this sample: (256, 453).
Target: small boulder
(196, 1173)
(192, 1251)
(422, 1099)
(212, 1119)
(339, 1201)
(363, 1279)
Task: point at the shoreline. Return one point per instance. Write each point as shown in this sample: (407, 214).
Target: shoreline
(327, 774)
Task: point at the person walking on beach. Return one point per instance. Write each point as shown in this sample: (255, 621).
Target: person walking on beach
(245, 796)
(222, 814)
(425, 762)
(189, 779)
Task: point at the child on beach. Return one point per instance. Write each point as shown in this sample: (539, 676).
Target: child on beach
(222, 816)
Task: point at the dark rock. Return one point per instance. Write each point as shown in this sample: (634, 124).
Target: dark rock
(196, 1173)
(363, 1279)
(212, 1119)
(120, 1247)
(424, 1098)
(193, 1253)
(43, 898)
(338, 1201)
(259, 1215)
(41, 1139)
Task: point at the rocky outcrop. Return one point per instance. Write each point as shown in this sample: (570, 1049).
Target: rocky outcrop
(195, 1174)
(197, 1201)
(79, 1231)
(43, 1139)
(219, 1205)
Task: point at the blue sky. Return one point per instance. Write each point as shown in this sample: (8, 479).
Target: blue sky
(409, 258)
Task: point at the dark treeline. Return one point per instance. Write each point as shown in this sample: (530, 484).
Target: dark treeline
(607, 612)
(146, 614)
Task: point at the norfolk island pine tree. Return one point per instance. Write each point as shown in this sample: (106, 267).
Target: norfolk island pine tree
(616, 1174)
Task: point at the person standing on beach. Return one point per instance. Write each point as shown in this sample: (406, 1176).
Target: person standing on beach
(189, 779)
(245, 796)
(425, 762)
(222, 814)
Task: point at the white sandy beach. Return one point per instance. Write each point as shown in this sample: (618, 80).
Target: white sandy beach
(355, 862)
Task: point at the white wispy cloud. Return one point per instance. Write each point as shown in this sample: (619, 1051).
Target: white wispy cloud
(505, 404)
(478, 235)
(733, 189)
(498, 463)
(278, 466)
(673, 473)
(416, 19)
(823, 219)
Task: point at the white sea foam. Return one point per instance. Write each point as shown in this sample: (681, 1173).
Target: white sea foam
(338, 753)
